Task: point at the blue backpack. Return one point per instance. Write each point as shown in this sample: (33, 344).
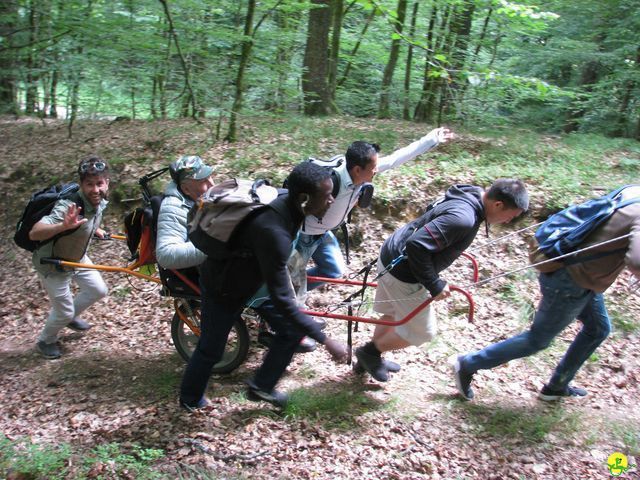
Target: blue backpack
(563, 232)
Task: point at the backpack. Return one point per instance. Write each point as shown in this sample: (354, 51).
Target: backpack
(563, 232)
(222, 209)
(141, 226)
(40, 204)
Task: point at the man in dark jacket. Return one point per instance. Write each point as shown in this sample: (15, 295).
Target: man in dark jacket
(228, 284)
(429, 245)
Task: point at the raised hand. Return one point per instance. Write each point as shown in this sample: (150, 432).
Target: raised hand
(73, 219)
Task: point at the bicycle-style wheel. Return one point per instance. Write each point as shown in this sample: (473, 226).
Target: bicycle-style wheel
(185, 330)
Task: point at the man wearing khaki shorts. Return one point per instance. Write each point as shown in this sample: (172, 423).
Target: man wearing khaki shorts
(427, 246)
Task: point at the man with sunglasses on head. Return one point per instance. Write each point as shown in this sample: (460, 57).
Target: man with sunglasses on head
(66, 234)
(191, 178)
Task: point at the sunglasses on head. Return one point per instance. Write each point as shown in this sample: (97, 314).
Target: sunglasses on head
(92, 166)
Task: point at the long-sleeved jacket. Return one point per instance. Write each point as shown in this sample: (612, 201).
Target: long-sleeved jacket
(598, 275)
(267, 238)
(348, 194)
(173, 247)
(434, 240)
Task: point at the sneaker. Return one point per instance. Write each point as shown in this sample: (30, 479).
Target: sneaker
(79, 325)
(307, 344)
(50, 351)
(202, 403)
(372, 364)
(274, 397)
(392, 367)
(549, 395)
(463, 379)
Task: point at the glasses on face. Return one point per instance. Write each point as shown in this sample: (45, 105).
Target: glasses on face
(92, 166)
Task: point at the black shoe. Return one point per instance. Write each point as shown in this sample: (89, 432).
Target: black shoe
(463, 379)
(50, 351)
(372, 364)
(306, 345)
(202, 403)
(549, 395)
(391, 366)
(79, 325)
(274, 397)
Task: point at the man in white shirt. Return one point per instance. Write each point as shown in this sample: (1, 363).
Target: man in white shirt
(361, 164)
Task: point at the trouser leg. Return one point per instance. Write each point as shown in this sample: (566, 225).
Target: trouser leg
(58, 288)
(596, 326)
(216, 323)
(279, 355)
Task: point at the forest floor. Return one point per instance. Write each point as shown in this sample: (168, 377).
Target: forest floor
(116, 385)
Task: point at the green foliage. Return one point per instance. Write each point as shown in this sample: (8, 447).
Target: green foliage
(32, 460)
(23, 459)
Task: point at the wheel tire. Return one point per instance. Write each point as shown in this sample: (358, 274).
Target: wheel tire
(235, 352)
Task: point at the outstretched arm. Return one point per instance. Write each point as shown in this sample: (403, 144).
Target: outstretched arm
(42, 230)
(424, 144)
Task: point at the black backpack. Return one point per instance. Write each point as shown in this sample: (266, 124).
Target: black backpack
(40, 204)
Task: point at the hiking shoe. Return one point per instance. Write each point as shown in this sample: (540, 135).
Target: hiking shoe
(79, 325)
(372, 364)
(392, 367)
(202, 403)
(307, 344)
(274, 397)
(50, 351)
(549, 395)
(463, 379)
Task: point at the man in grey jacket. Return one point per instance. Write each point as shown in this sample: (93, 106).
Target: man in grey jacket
(65, 234)
(191, 178)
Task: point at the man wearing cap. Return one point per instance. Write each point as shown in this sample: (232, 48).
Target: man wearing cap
(191, 177)
(65, 234)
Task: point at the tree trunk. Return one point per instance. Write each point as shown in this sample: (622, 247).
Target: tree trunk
(425, 106)
(407, 71)
(315, 88)
(387, 76)
(625, 102)
(31, 87)
(337, 17)
(247, 43)
(357, 46)
(8, 20)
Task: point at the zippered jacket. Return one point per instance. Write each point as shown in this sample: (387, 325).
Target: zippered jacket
(434, 240)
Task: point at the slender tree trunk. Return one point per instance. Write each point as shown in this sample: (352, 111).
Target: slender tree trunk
(247, 43)
(185, 66)
(406, 115)
(389, 69)
(315, 88)
(356, 47)
(53, 94)
(8, 20)
(31, 87)
(337, 17)
(424, 108)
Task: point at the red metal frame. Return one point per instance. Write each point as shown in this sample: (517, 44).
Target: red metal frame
(376, 321)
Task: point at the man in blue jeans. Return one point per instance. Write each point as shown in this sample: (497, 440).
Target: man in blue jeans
(574, 291)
